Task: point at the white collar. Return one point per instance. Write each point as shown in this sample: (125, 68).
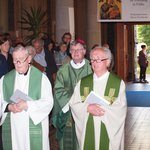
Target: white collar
(78, 65)
(101, 77)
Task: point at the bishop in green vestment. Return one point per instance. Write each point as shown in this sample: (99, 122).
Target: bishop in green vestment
(67, 78)
(100, 118)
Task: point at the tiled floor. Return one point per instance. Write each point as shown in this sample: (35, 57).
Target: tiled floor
(137, 130)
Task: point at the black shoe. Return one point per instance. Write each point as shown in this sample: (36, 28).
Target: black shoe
(141, 81)
(145, 81)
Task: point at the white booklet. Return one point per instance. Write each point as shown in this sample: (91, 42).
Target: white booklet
(95, 98)
(19, 95)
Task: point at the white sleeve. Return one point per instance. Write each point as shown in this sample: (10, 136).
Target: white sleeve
(79, 112)
(115, 116)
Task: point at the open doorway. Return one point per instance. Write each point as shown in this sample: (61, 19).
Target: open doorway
(141, 37)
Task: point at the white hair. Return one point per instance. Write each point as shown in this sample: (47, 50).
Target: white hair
(106, 51)
(20, 48)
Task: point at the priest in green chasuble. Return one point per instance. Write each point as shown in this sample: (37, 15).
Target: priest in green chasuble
(27, 100)
(99, 107)
(67, 77)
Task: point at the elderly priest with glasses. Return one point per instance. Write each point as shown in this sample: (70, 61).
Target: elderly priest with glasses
(27, 100)
(98, 105)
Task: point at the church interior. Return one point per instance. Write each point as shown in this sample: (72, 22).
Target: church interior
(80, 19)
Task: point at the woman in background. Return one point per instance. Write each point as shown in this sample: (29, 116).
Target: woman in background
(4, 51)
(6, 65)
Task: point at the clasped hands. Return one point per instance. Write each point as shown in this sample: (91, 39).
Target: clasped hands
(95, 110)
(18, 107)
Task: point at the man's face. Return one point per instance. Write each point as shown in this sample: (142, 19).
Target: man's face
(21, 61)
(77, 53)
(67, 38)
(99, 61)
(38, 47)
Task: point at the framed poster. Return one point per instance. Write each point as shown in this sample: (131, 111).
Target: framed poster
(123, 10)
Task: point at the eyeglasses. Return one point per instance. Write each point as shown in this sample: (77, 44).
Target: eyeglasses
(98, 60)
(76, 50)
(20, 61)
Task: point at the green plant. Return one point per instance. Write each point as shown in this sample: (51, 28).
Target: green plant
(33, 22)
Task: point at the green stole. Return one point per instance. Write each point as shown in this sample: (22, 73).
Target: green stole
(111, 93)
(35, 93)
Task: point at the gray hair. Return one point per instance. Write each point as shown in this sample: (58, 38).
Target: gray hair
(40, 41)
(74, 43)
(110, 56)
(108, 53)
(20, 48)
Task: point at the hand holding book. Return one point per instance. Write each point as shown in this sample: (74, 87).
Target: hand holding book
(94, 98)
(19, 95)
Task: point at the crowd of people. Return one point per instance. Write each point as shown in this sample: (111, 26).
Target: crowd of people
(42, 83)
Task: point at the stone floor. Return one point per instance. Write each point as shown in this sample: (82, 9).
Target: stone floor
(137, 130)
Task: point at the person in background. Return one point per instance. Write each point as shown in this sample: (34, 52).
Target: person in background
(39, 58)
(25, 121)
(3, 66)
(67, 77)
(9, 37)
(51, 68)
(100, 126)
(61, 56)
(44, 60)
(51, 46)
(4, 50)
(143, 63)
(6, 64)
(67, 39)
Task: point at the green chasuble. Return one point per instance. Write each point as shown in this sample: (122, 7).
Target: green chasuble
(67, 78)
(35, 131)
(111, 92)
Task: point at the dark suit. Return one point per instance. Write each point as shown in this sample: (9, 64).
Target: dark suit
(143, 65)
(51, 66)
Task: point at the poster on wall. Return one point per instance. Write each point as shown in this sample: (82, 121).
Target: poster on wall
(123, 11)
